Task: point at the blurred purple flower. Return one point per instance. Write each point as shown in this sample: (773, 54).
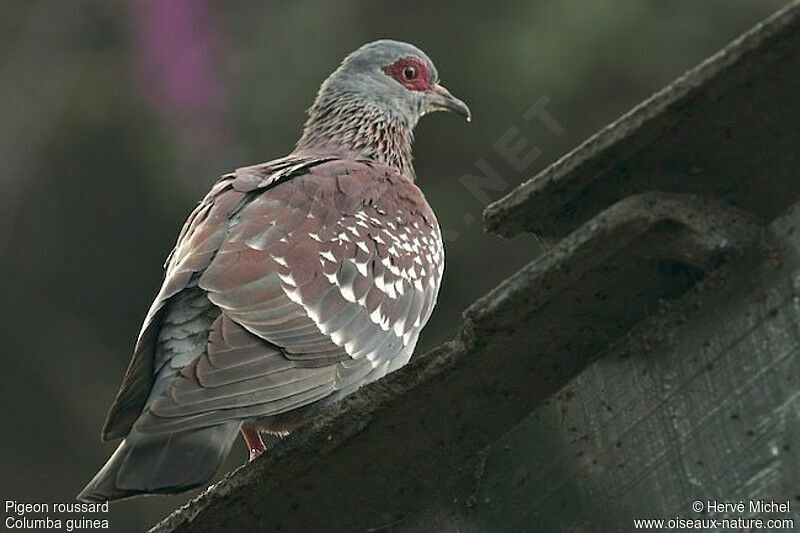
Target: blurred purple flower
(175, 48)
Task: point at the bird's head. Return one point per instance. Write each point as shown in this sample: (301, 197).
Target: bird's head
(372, 102)
(396, 76)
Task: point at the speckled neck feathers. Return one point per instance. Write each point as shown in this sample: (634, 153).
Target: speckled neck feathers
(344, 124)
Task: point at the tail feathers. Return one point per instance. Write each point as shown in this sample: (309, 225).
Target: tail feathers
(160, 464)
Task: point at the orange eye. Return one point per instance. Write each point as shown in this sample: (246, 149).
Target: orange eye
(409, 73)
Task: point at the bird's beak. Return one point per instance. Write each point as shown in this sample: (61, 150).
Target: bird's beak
(442, 100)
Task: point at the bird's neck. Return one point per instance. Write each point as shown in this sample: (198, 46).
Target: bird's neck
(349, 128)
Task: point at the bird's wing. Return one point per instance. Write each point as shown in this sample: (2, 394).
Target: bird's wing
(323, 283)
(201, 236)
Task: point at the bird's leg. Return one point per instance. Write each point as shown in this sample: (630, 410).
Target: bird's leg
(252, 438)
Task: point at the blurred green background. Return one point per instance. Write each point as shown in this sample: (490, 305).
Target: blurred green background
(115, 118)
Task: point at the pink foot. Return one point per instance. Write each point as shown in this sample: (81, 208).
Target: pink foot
(254, 443)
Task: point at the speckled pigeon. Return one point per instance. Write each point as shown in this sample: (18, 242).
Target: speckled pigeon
(292, 283)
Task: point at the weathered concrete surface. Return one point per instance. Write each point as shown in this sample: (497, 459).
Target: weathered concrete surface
(608, 275)
(726, 128)
(397, 443)
(699, 402)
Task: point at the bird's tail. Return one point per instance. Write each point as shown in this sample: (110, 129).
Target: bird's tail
(168, 463)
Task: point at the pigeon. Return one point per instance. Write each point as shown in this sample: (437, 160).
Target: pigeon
(292, 283)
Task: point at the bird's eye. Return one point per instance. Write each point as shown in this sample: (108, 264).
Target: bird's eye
(409, 73)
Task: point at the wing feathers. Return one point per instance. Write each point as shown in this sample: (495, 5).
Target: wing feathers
(313, 282)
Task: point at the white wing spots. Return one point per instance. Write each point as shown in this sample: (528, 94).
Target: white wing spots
(287, 279)
(390, 236)
(347, 293)
(338, 338)
(385, 286)
(294, 295)
(378, 319)
(400, 324)
(404, 254)
(379, 282)
(345, 282)
(400, 287)
(280, 260)
(363, 300)
(312, 314)
(362, 268)
(390, 290)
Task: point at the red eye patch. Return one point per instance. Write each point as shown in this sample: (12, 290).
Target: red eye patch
(411, 73)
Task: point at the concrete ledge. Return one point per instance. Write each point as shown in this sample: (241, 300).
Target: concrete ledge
(579, 295)
(700, 401)
(412, 437)
(727, 128)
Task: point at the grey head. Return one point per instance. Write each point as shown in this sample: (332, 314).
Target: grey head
(372, 102)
